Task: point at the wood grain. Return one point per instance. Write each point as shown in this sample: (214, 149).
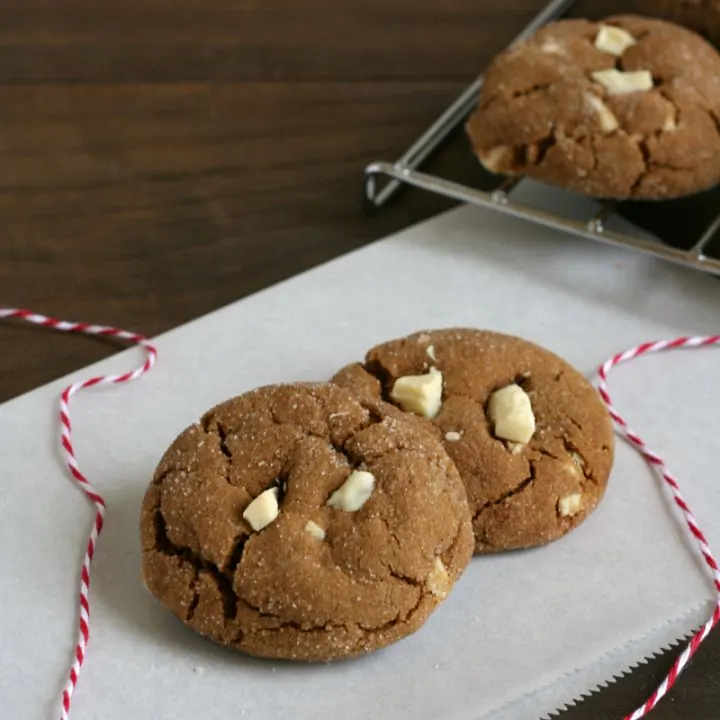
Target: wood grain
(162, 159)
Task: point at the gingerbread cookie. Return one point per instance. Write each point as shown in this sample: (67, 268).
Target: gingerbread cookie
(624, 108)
(703, 16)
(528, 433)
(299, 522)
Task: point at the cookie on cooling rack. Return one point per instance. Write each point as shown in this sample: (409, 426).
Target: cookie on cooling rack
(626, 108)
(299, 522)
(703, 16)
(528, 433)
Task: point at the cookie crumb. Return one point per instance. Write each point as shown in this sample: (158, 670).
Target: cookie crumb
(199, 670)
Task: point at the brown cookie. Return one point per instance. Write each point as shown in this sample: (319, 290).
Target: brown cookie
(299, 522)
(521, 494)
(703, 16)
(624, 108)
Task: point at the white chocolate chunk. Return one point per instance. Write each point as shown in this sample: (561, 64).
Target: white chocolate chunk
(572, 469)
(511, 413)
(263, 509)
(498, 159)
(577, 459)
(570, 505)
(614, 40)
(670, 123)
(315, 530)
(421, 394)
(552, 47)
(430, 352)
(617, 82)
(452, 436)
(354, 492)
(605, 117)
(515, 448)
(438, 581)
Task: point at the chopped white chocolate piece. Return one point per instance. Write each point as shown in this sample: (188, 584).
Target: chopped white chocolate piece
(498, 159)
(354, 492)
(263, 509)
(515, 448)
(511, 413)
(670, 123)
(452, 436)
(570, 505)
(605, 117)
(617, 82)
(438, 581)
(614, 40)
(578, 459)
(421, 394)
(430, 352)
(552, 47)
(572, 468)
(315, 530)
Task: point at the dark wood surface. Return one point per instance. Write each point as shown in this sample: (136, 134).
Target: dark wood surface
(161, 159)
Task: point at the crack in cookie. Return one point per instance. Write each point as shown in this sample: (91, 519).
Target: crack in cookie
(522, 485)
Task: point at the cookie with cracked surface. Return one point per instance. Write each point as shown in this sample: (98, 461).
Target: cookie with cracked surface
(299, 522)
(703, 16)
(553, 470)
(625, 108)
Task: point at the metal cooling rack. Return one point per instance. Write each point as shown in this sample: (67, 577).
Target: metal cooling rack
(701, 253)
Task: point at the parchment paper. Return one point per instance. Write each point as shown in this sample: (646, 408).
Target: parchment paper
(517, 631)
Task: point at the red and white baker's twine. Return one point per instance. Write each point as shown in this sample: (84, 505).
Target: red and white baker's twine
(655, 461)
(90, 492)
(100, 507)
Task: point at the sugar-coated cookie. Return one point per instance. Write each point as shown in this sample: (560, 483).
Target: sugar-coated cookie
(626, 108)
(300, 522)
(529, 434)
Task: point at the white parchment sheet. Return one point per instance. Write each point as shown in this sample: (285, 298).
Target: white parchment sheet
(627, 581)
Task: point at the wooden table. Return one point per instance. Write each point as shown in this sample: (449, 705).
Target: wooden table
(161, 159)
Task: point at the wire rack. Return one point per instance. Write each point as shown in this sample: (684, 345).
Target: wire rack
(701, 213)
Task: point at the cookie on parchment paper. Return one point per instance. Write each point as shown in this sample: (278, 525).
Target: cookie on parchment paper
(529, 434)
(626, 108)
(299, 522)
